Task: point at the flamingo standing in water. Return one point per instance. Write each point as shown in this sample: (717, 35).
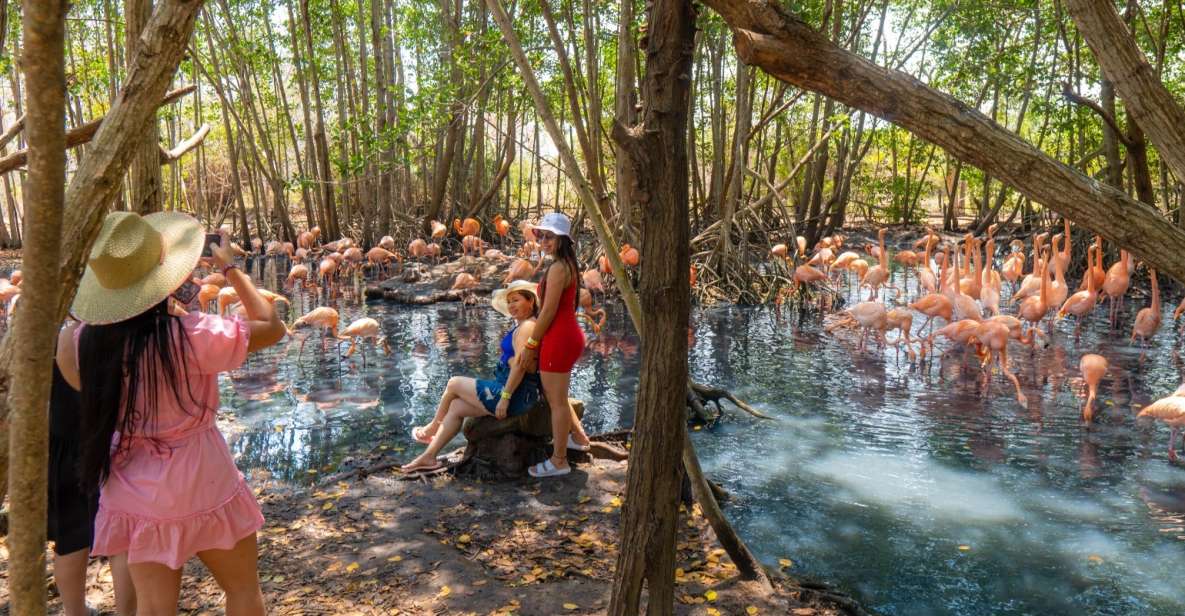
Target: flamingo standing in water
(417, 248)
(1014, 264)
(1148, 319)
(1093, 368)
(1081, 303)
(1170, 410)
(595, 317)
(990, 339)
(1116, 282)
(935, 304)
(362, 329)
(323, 317)
(878, 274)
(1094, 270)
(1034, 309)
(869, 316)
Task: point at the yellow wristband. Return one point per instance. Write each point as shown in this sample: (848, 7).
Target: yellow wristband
(505, 395)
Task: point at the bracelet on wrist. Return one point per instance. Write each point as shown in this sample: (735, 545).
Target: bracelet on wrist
(226, 268)
(506, 395)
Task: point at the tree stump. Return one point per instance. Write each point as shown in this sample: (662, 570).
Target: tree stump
(505, 449)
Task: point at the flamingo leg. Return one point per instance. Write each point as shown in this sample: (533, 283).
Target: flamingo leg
(1172, 444)
(1020, 397)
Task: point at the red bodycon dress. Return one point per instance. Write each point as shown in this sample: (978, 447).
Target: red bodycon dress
(563, 342)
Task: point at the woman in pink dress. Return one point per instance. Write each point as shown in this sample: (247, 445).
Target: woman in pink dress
(148, 375)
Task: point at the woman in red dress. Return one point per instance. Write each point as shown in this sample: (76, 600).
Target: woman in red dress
(559, 341)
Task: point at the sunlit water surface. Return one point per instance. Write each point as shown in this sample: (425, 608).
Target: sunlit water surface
(917, 490)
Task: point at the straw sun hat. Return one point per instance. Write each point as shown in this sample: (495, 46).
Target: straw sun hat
(136, 262)
(500, 302)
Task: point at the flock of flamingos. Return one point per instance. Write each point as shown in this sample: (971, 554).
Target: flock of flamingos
(966, 292)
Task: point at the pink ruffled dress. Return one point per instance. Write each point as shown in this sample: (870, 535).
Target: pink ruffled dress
(176, 491)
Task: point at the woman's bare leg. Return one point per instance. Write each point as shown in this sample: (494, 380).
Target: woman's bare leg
(69, 574)
(452, 391)
(235, 571)
(449, 428)
(157, 588)
(555, 389)
(125, 591)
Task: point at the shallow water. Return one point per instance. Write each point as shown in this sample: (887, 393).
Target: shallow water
(918, 490)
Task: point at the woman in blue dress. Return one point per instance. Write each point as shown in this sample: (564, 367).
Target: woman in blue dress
(513, 390)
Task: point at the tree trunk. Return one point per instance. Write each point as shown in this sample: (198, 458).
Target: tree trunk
(739, 158)
(33, 333)
(1147, 101)
(320, 143)
(790, 50)
(1111, 136)
(144, 178)
(657, 151)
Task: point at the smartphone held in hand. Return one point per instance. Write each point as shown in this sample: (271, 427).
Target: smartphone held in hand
(211, 238)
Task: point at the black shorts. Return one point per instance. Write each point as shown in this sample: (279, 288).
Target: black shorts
(71, 523)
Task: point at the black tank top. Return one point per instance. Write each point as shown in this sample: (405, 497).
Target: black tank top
(64, 408)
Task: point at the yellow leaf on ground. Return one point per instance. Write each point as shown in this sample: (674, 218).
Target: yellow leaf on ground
(751, 610)
(1095, 559)
(327, 506)
(444, 592)
(713, 612)
(616, 502)
(395, 559)
(964, 548)
(710, 595)
(463, 539)
(352, 567)
(570, 606)
(785, 563)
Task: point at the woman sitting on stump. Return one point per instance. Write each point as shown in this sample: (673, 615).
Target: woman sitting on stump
(513, 390)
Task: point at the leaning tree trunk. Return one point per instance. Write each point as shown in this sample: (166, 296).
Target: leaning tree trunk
(657, 151)
(1147, 100)
(36, 318)
(788, 49)
(144, 178)
(96, 182)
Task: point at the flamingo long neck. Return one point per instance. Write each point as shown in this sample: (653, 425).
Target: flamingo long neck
(1066, 247)
(989, 250)
(942, 281)
(955, 276)
(1090, 287)
(1098, 253)
(1059, 267)
(1155, 295)
(978, 262)
(1045, 283)
(884, 256)
(966, 266)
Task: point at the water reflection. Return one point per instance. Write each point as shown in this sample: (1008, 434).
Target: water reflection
(923, 488)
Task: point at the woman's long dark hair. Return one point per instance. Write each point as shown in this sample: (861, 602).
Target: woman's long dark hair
(565, 250)
(118, 364)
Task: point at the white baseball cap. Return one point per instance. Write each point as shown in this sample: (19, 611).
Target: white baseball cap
(556, 222)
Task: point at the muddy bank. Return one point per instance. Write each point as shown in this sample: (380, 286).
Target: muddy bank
(444, 545)
(427, 283)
